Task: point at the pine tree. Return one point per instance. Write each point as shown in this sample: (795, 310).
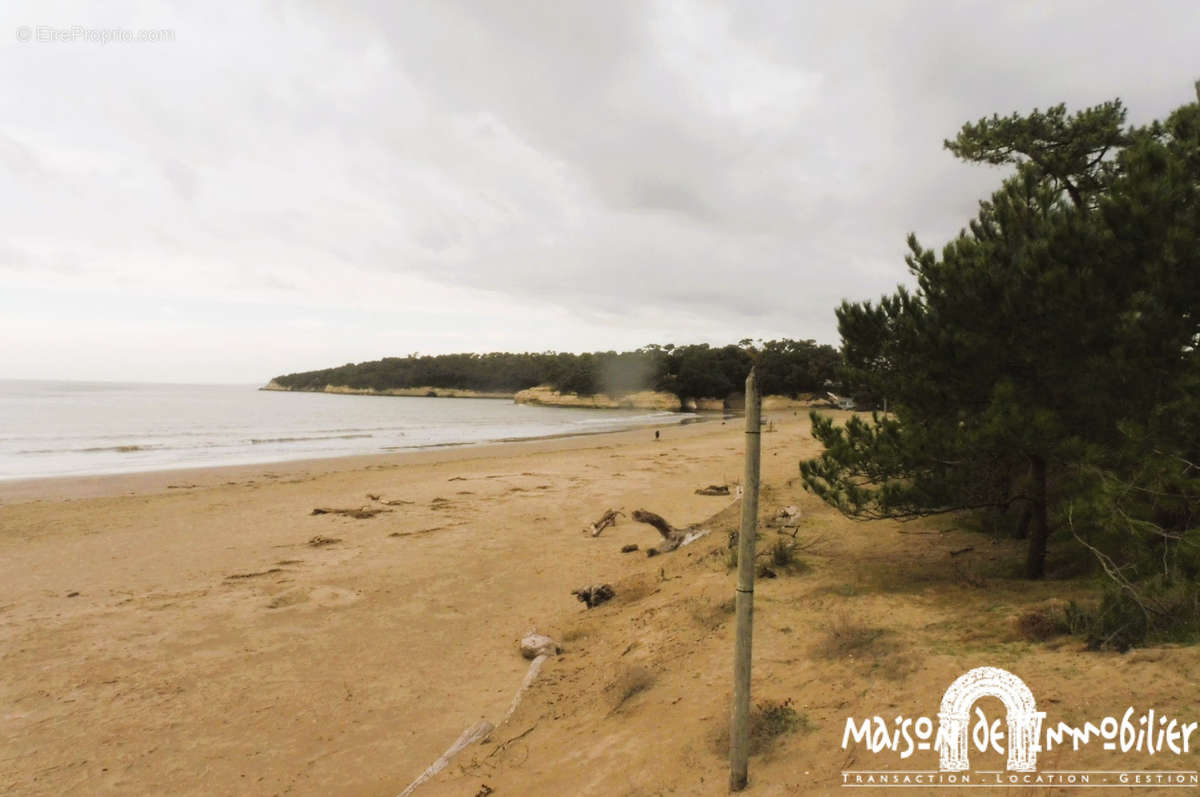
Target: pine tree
(1062, 317)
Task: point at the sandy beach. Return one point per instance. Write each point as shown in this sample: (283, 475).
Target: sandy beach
(202, 632)
(175, 632)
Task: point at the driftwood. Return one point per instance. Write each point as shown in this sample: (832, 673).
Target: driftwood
(250, 575)
(535, 668)
(362, 513)
(594, 595)
(429, 530)
(630, 548)
(657, 521)
(533, 645)
(672, 537)
(537, 647)
(469, 736)
(388, 501)
(320, 541)
(609, 518)
(787, 516)
(714, 489)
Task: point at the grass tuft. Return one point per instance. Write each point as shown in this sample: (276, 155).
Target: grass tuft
(633, 681)
(770, 720)
(847, 637)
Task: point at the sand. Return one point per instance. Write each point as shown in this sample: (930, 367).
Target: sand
(177, 633)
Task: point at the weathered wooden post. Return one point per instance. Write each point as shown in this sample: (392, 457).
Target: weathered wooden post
(739, 737)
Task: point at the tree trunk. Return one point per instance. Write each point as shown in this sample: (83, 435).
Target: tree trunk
(1023, 520)
(1035, 560)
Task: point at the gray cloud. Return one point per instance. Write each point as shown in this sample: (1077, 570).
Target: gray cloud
(181, 177)
(663, 165)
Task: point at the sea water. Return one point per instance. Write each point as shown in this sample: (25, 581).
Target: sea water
(84, 428)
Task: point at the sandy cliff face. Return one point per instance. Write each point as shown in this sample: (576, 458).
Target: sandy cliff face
(651, 400)
(777, 403)
(642, 400)
(544, 395)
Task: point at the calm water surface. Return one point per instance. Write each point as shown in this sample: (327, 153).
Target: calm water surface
(77, 428)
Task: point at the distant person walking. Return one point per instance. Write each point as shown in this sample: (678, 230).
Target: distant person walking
(655, 434)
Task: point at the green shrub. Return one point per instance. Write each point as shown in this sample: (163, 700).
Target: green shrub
(1160, 611)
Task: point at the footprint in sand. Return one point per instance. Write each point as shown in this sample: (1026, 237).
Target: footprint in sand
(324, 597)
(333, 597)
(289, 598)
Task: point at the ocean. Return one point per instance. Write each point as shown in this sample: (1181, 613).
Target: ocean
(84, 428)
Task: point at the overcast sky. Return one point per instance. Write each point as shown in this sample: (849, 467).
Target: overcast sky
(292, 185)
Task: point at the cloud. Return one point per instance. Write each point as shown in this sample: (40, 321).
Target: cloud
(575, 174)
(181, 177)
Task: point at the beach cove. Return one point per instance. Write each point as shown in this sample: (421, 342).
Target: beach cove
(201, 631)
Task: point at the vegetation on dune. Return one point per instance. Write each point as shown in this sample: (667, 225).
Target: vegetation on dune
(770, 721)
(1044, 371)
(786, 367)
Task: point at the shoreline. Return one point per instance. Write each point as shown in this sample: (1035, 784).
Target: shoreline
(101, 485)
(392, 392)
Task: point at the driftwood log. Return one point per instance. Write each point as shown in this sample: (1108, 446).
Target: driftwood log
(469, 736)
(672, 537)
(713, 489)
(609, 518)
(537, 647)
(533, 646)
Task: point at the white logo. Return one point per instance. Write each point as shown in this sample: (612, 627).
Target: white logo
(1024, 720)
(1020, 736)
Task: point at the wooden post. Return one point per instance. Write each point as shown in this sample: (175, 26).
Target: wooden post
(739, 736)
